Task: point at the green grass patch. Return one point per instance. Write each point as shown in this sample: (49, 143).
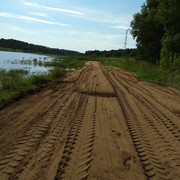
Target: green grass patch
(147, 72)
(39, 79)
(6, 95)
(66, 62)
(57, 72)
(13, 80)
(16, 81)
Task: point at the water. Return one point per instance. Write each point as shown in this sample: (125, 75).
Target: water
(27, 61)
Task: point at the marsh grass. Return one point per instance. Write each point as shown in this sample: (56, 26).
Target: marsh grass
(57, 72)
(13, 79)
(16, 81)
(66, 62)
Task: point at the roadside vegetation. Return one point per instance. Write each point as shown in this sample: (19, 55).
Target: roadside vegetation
(147, 71)
(15, 81)
(157, 31)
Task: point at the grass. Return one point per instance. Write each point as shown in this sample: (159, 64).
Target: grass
(15, 81)
(147, 72)
(57, 72)
(6, 95)
(66, 62)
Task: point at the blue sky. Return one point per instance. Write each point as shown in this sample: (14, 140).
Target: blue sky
(69, 24)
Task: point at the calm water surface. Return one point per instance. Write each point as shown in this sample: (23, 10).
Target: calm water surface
(27, 61)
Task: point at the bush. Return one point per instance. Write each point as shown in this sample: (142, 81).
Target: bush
(57, 72)
(40, 79)
(170, 53)
(5, 95)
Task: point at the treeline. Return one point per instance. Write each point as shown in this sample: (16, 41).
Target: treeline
(24, 46)
(157, 31)
(112, 53)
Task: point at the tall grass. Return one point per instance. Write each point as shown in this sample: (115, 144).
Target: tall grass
(11, 82)
(13, 79)
(16, 81)
(148, 72)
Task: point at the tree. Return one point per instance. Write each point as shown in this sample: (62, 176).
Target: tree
(170, 16)
(148, 31)
(157, 32)
(15, 44)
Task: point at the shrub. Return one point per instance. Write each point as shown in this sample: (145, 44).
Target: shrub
(40, 79)
(57, 72)
(170, 53)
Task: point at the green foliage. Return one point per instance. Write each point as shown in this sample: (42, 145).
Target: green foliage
(111, 53)
(57, 72)
(148, 72)
(5, 95)
(148, 31)
(169, 15)
(170, 53)
(157, 32)
(39, 79)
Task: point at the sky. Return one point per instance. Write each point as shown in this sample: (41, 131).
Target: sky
(78, 25)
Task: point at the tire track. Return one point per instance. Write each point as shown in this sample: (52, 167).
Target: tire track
(168, 117)
(17, 126)
(167, 147)
(15, 159)
(77, 154)
(100, 124)
(53, 141)
(113, 152)
(150, 161)
(142, 136)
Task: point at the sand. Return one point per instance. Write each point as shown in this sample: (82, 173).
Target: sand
(97, 123)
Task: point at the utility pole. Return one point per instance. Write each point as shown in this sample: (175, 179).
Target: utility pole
(125, 43)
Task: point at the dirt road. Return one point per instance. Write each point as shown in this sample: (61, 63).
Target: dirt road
(97, 123)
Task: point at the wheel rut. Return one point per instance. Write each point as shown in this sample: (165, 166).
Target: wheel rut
(154, 135)
(77, 154)
(14, 161)
(97, 122)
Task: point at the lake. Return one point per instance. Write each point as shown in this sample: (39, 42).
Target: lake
(27, 61)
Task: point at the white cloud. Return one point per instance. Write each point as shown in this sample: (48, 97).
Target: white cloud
(51, 8)
(30, 19)
(95, 15)
(13, 28)
(39, 14)
(101, 16)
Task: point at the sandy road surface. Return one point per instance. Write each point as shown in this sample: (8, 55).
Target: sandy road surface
(98, 123)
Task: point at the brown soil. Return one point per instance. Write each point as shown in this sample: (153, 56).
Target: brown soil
(98, 123)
